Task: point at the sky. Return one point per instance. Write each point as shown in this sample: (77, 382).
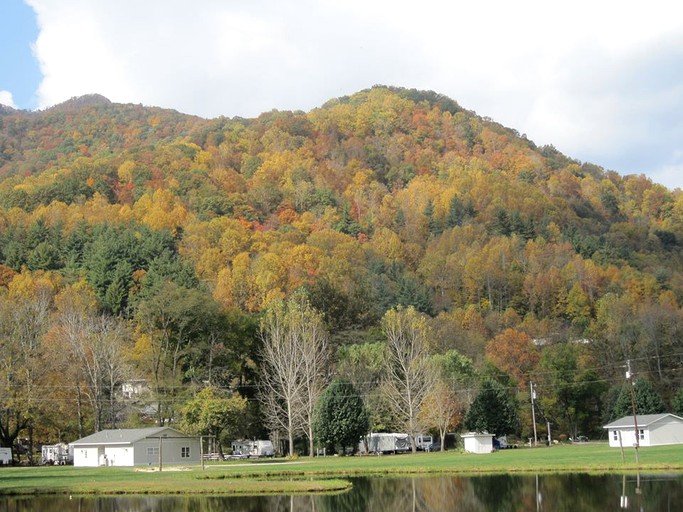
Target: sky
(601, 80)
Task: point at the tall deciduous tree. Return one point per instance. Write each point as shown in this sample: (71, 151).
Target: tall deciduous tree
(294, 361)
(513, 352)
(96, 345)
(216, 413)
(341, 419)
(169, 321)
(24, 311)
(449, 396)
(408, 375)
(571, 393)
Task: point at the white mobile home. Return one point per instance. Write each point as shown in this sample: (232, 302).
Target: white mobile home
(478, 443)
(653, 430)
(58, 454)
(136, 447)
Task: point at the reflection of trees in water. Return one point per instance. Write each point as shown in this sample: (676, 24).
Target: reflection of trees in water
(354, 500)
(501, 493)
(580, 492)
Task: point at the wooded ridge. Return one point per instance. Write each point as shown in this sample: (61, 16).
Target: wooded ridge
(155, 241)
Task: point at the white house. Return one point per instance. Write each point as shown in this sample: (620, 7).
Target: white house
(653, 430)
(132, 389)
(136, 447)
(478, 443)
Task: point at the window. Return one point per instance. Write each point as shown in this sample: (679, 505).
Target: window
(185, 452)
(641, 434)
(152, 450)
(615, 435)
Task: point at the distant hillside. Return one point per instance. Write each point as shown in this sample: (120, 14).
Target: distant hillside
(388, 196)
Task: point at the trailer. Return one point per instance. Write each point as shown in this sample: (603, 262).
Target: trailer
(249, 449)
(391, 442)
(424, 442)
(57, 454)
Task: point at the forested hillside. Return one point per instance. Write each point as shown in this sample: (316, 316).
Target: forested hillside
(137, 243)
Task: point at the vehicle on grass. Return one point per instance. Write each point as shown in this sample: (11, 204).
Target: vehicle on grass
(252, 449)
(424, 442)
(501, 443)
(385, 442)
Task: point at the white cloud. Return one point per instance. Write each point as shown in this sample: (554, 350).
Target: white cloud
(7, 99)
(599, 80)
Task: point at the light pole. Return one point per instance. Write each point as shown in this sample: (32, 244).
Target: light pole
(532, 389)
(629, 378)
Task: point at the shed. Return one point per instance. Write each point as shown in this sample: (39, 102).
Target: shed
(136, 447)
(653, 430)
(478, 443)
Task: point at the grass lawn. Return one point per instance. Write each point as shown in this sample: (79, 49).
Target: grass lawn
(327, 474)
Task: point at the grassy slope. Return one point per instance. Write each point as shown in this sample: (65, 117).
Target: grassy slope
(271, 477)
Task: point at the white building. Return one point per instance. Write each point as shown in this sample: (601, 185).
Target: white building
(478, 443)
(133, 389)
(653, 430)
(136, 447)
(57, 454)
(5, 456)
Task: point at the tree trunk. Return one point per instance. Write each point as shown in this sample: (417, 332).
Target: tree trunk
(310, 441)
(30, 444)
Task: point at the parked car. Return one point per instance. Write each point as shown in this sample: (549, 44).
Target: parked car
(435, 447)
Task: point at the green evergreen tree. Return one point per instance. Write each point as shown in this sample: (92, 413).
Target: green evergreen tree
(677, 403)
(493, 410)
(647, 400)
(44, 257)
(341, 418)
(456, 213)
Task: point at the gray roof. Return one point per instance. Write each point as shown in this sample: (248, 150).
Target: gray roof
(643, 420)
(124, 435)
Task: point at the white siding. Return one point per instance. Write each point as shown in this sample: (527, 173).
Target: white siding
(119, 455)
(627, 438)
(666, 431)
(147, 451)
(87, 457)
(478, 443)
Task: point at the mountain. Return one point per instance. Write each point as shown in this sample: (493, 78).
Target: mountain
(386, 197)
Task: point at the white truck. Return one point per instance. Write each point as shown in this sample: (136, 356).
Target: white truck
(248, 448)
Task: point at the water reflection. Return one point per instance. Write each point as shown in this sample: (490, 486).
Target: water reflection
(500, 493)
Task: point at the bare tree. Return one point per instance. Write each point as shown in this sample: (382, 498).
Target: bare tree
(409, 377)
(441, 410)
(23, 322)
(96, 344)
(294, 359)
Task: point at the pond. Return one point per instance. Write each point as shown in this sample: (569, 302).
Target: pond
(500, 493)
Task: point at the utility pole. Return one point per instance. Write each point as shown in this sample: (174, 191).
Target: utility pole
(532, 389)
(629, 378)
